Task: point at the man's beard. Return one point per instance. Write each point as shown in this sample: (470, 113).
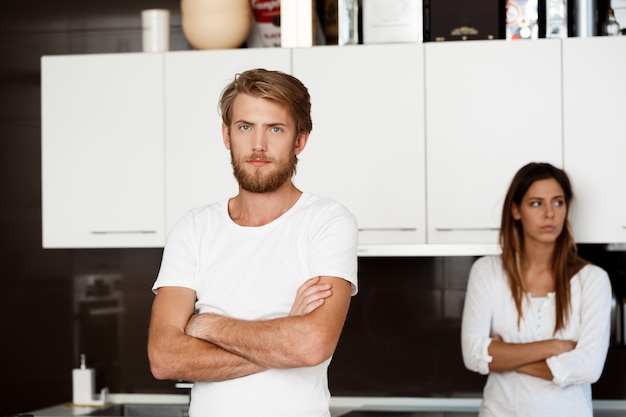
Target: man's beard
(256, 182)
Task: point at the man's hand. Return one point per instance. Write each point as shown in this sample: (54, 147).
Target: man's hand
(310, 296)
(197, 326)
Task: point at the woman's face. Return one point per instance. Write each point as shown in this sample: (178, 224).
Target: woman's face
(542, 212)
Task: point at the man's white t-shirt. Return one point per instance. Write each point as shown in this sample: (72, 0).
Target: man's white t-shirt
(253, 273)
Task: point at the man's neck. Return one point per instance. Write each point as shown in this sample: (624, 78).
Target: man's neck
(258, 209)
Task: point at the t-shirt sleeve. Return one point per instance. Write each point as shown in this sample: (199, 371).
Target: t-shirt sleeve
(179, 261)
(333, 250)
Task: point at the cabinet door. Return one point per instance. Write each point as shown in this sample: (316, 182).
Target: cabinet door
(594, 92)
(492, 107)
(102, 151)
(367, 145)
(197, 163)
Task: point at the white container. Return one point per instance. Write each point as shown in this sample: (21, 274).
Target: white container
(155, 24)
(296, 23)
(83, 384)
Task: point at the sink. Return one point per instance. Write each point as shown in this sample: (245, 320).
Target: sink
(143, 410)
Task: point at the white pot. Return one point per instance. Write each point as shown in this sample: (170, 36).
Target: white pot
(215, 24)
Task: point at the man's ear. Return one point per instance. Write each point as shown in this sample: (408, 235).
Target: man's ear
(226, 135)
(301, 141)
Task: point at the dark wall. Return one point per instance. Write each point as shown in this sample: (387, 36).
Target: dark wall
(37, 318)
(46, 322)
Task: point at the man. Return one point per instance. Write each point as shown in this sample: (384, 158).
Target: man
(270, 272)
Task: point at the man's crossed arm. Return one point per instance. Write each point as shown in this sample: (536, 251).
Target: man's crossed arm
(210, 347)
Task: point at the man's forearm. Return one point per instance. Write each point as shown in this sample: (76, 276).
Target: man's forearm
(278, 343)
(307, 337)
(184, 357)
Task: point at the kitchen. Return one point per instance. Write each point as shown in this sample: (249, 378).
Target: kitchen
(38, 314)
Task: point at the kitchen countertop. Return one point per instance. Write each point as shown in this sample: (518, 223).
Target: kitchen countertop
(340, 406)
(69, 409)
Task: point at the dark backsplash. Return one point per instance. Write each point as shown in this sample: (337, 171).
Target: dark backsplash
(401, 338)
(402, 335)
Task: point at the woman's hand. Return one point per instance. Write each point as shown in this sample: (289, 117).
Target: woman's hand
(562, 346)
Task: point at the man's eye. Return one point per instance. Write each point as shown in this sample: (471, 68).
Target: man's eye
(244, 127)
(276, 129)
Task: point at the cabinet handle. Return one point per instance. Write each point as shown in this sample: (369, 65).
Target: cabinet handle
(467, 229)
(106, 311)
(388, 229)
(123, 232)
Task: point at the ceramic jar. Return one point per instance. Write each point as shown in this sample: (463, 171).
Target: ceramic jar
(215, 24)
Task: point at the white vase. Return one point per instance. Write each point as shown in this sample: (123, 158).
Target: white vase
(215, 24)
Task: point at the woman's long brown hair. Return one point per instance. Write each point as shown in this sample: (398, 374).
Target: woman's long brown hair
(565, 259)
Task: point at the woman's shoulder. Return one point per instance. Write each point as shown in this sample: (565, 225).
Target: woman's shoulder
(593, 281)
(488, 268)
(492, 262)
(592, 272)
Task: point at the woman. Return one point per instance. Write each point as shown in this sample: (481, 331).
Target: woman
(537, 317)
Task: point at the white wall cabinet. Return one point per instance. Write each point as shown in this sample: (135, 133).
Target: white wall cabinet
(419, 141)
(198, 169)
(103, 151)
(367, 145)
(491, 107)
(594, 86)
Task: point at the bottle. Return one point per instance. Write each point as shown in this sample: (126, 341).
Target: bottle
(341, 22)
(610, 27)
(83, 383)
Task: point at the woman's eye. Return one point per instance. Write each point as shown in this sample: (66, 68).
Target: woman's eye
(559, 203)
(535, 203)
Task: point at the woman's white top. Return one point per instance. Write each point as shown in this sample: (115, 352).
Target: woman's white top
(490, 310)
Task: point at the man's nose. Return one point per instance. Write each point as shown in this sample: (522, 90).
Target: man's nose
(259, 143)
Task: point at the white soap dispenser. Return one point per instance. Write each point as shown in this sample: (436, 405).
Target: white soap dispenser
(84, 382)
